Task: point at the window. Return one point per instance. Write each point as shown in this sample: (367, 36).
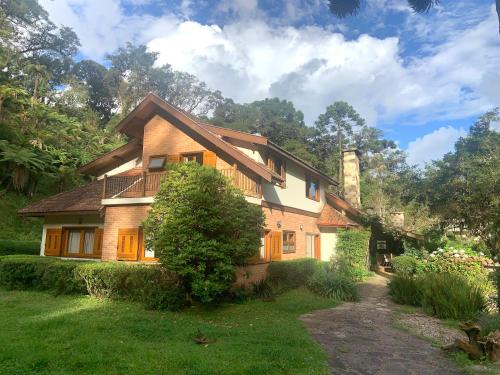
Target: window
(381, 245)
(197, 157)
(312, 188)
(288, 242)
(80, 242)
(156, 162)
(277, 166)
(310, 245)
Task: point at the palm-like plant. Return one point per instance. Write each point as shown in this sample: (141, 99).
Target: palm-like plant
(344, 8)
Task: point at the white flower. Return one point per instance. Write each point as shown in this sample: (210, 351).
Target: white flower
(481, 253)
(440, 249)
(456, 255)
(433, 255)
(462, 251)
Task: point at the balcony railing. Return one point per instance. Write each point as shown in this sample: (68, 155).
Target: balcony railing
(142, 185)
(249, 185)
(148, 184)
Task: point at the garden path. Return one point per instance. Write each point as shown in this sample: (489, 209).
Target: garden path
(360, 338)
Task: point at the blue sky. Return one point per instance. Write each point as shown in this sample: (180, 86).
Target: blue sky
(422, 79)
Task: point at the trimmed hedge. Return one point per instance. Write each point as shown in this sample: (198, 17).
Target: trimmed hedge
(291, 274)
(353, 247)
(153, 286)
(10, 247)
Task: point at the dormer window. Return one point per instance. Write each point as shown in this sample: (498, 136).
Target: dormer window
(312, 188)
(156, 162)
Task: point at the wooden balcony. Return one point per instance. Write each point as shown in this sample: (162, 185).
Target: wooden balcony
(147, 184)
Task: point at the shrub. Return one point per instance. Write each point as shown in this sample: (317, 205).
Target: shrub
(341, 266)
(451, 296)
(331, 285)
(40, 273)
(353, 247)
(262, 289)
(407, 265)
(201, 228)
(406, 290)
(291, 274)
(153, 286)
(10, 247)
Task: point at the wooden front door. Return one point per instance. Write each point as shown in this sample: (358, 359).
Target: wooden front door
(128, 244)
(276, 244)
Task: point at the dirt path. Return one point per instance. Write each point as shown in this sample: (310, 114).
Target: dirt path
(360, 338)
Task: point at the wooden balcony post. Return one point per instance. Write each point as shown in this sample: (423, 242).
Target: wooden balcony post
(143, 183)
(235, 176)
(104, 183)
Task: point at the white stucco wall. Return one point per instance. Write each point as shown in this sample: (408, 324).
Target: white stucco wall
(328, 238)
(294, 194)
(252, 153)
(137, 162)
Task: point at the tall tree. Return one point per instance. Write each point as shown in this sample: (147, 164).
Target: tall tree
(464, 187)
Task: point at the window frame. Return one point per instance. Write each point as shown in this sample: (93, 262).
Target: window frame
(309, 179)
(164, 157)
(197, 154)
(286, 241)
(271, 164)
(81, 249)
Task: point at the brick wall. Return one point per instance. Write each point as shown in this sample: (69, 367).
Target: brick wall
(247, 275)
(120, 217)
(292, 222)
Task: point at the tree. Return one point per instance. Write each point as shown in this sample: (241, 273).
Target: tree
(276, 119)
(335, 129)
(344, 8)
(201, 228)
(464, 187)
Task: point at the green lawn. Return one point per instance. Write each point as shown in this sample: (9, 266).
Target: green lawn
(42, 334)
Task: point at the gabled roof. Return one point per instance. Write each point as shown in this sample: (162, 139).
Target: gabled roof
(83, 199)
(112, 159)
(153, 105)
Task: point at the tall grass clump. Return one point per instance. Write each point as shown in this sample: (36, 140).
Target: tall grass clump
(450, 296)
(332, 285)
(406, 290)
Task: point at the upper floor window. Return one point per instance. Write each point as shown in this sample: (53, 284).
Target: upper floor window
(312, 188)
(196, 156)
(156, 162)
(277, 166)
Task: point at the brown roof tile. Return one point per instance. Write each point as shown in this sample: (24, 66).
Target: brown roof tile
(85, 198)
(330, 217)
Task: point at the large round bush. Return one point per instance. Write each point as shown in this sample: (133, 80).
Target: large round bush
(201, 228)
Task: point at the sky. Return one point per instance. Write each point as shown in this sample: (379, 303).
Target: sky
(421, 79)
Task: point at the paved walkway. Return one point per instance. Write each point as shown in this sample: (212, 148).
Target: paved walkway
(359, 338)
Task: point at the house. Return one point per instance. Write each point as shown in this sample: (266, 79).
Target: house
(102, 220)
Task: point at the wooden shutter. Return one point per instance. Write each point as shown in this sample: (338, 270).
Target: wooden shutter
(128, 241)
(317, 247)
(98, 234)
(209, 158)
(276, 244)
(53, 242)
(173, 158)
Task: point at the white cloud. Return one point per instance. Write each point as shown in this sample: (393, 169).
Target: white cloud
(312, 66)
(434, 145)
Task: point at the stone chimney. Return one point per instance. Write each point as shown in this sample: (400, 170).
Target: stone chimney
(351, 177)
(397, 219)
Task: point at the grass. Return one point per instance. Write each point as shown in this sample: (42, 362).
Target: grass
(84, 335)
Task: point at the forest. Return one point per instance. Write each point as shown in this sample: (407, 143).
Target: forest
(58, 111)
